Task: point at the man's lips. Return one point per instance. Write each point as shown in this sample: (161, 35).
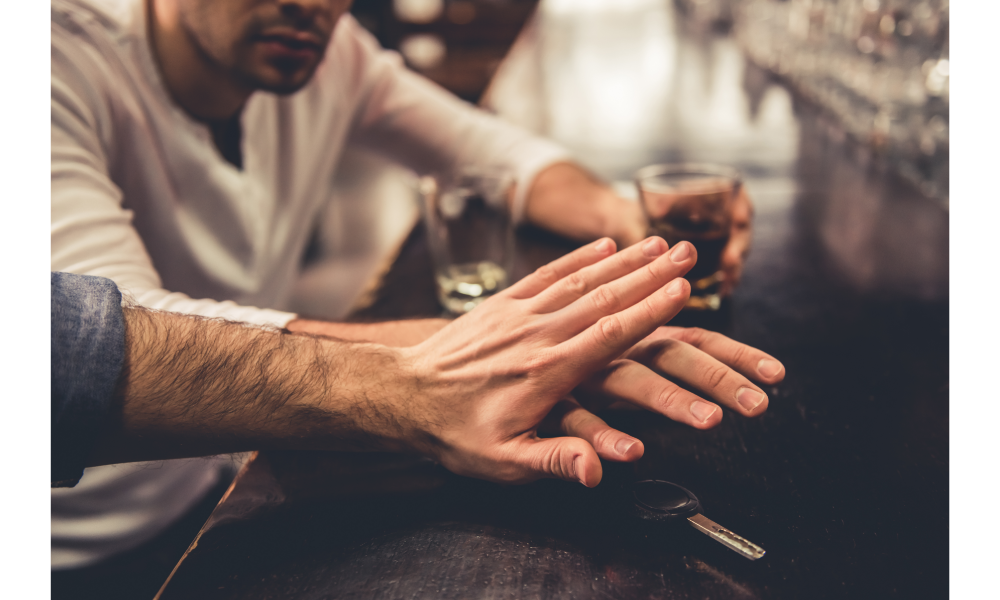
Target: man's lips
(292, 44)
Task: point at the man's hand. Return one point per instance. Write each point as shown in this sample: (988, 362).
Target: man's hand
(713, 364)
(643, 379)
(487, 381)
(740, 236)
(570, 201)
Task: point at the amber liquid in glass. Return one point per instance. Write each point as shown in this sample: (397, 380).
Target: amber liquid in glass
(708, 238)
(698, 211)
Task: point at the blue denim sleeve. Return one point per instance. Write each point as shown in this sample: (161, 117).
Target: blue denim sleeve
(88, 353)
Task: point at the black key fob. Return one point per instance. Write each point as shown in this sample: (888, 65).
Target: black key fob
(658, 500)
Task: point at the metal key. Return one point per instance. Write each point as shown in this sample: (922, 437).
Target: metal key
(664, 501)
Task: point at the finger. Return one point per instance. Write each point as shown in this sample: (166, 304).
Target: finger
(732, 272)
(611, 335)
(683, 362)
(611, 302)
(737, 249)
(629, 381)
(570, 418)
(741, 230)
(740, 237)
(548, 274)
(749, 361)
(568, 458)
(575, 285)
(743, 207)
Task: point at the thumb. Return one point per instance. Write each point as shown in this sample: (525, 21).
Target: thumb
(566, 458)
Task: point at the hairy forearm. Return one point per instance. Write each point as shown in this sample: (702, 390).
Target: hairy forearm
(194, 386)
(397, 334)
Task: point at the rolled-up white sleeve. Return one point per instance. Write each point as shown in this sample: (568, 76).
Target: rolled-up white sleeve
(426, 128)
(92, 233)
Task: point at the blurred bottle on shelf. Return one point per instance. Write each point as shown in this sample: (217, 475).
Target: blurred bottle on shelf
(879, 67)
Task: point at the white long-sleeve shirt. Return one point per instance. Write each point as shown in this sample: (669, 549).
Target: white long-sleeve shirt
(141, 195)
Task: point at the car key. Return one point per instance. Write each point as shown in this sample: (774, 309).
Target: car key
(664, 501)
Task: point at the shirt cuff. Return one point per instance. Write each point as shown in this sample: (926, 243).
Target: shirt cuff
(88, 354)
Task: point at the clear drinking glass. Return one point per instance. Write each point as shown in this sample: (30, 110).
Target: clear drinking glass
(470, 235)
(692, 202)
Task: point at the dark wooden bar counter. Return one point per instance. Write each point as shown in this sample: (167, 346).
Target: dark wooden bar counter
(844, 480)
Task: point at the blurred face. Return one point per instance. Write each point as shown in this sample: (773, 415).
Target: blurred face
(273, 45)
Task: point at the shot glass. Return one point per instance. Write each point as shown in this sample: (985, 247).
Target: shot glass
(692, 202)
(470, 235)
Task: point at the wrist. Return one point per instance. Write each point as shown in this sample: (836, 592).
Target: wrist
(372, 392)
(391, 333)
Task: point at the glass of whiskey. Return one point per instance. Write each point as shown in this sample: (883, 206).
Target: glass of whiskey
(470, 234)
(692, 202)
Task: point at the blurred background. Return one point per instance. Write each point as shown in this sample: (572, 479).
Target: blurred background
(625, 83)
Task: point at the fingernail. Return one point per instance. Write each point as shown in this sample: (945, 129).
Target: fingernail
(749, 399)
(623, 446)
(680, 253)
(603, 246)
(654, 246)
(768, 367)
(702, 410)
(676, 287)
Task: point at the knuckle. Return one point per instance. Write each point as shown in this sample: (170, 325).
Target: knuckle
(526, 331)
(623, 262)
(695, 336)
(653, 271)
(603, 438)
(715, 375)
(651, 310)
(656, 350)
(668, 347)
(576, 283)
(740, 354)
(614, 370)
(667, 398)
(558, 466)
(546, 274)
(610, 329)
(541, 361)
(711, 336)
(547, 461)
(538, 362)
(605, 299)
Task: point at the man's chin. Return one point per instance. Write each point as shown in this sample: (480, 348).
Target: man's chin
(281, 81)
(284, 88)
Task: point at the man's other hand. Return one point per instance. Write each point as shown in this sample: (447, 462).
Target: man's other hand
(740, 236)
(717, 367)
(568, 200)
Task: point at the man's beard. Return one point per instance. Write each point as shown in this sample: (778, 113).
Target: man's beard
(288, 84)
(247, 76)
